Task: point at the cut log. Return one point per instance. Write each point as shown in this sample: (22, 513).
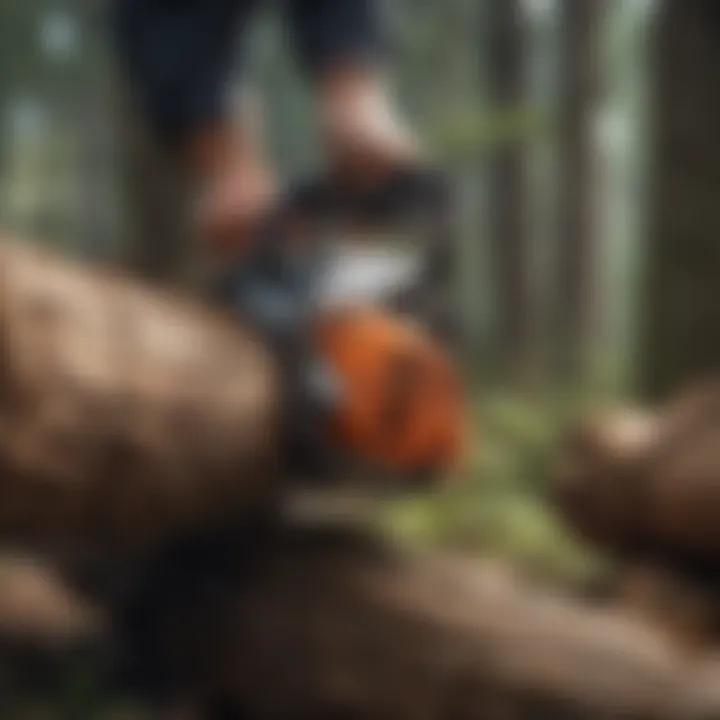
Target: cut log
(325, 626)
(649, 482)
(40, 608)
(309, 624)
(126, 413)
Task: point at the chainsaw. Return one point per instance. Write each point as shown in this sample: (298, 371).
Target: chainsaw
(354, 293)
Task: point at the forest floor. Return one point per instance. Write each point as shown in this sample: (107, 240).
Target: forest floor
(500, 506)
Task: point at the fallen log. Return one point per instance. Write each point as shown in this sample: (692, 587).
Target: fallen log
(318, 625)
(647, 482)
(308, 623)
(40, 608)
(126, 413)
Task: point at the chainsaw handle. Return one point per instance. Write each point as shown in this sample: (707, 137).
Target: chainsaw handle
(287, 250)
(409, 193)
(313, 209)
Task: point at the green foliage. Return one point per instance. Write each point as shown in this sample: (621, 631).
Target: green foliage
(474, 131)
(500, 506)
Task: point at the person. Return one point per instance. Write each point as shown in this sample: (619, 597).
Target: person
(179, 56)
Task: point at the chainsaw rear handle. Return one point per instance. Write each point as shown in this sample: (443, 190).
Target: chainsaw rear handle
(420, 199)
(285, 254)
(312, 208)
(412, 193)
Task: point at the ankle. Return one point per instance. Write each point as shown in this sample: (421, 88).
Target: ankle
(363, 132)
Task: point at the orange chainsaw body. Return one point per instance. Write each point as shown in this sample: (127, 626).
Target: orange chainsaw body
(401, 403)
(371, 381)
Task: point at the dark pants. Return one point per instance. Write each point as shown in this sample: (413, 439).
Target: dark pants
(178, 54)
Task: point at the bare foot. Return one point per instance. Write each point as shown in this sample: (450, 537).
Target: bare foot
(233, 204)
(365, 138)
(237, 187)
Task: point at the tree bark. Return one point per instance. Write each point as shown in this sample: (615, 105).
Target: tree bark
(680, 308)
(125, 413)
(318, 624)
(312, 622)
(508, 202)
(648, 482)
(575, 307)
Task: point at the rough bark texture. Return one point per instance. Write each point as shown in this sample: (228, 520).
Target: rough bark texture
(309, 623)
(327, 624)
(648, 482)
(40, 608)
(125, 413)
(681, 309)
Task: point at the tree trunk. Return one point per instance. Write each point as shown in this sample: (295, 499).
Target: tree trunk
(681, 312)
(509, 212)
(95, 94)
(576, 266)
(158, 237)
